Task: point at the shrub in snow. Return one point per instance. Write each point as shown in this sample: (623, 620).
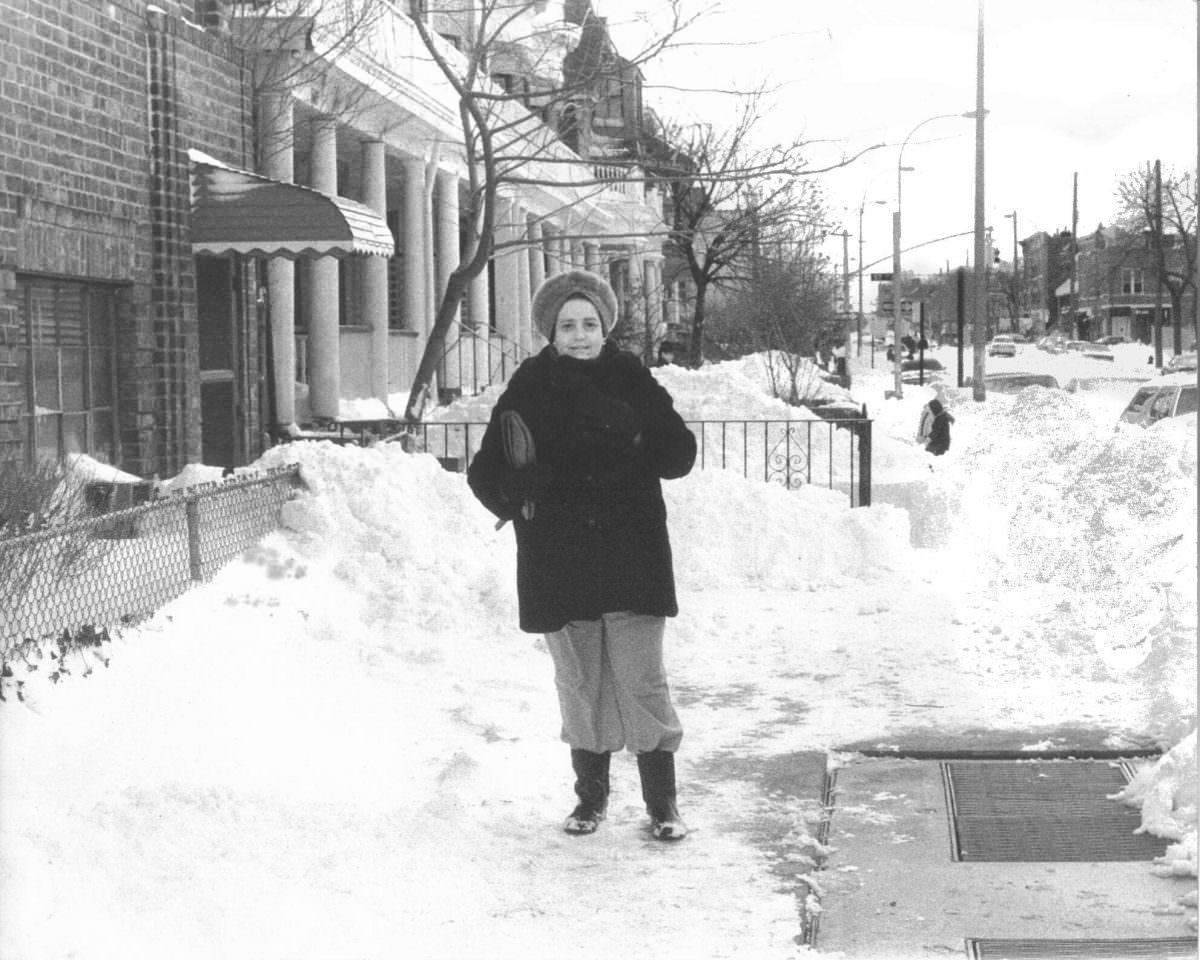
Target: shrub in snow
(45, 496)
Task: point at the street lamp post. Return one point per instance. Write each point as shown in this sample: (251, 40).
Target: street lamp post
(1017, 285)
(861, 207)
(896, 282)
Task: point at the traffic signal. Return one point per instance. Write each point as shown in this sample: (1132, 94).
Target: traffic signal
(996, 255)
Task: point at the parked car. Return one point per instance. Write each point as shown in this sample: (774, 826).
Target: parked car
(1103, 384)
(1111, 339)
(1181, 363)
(911, 370)
(1002, 345)
(1014, 382)
(1019, 338)
(1170, 395)
(1097, 351)
(1055, 343)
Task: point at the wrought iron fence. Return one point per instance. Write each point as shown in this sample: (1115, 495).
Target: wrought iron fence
(120, 567)
(834, 453)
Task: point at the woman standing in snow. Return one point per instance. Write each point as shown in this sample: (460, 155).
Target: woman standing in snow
(573, 456)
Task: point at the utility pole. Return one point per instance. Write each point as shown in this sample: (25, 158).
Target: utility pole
(981, 255)
(859, 319)
(848, 340)
(1074, 255)
(1158, 285)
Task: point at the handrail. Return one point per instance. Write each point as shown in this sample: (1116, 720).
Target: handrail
(503, 356)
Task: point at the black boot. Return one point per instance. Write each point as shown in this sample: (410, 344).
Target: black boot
(657, 768)
(591, 786)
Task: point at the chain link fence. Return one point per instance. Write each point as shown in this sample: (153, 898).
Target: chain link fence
(120, 567)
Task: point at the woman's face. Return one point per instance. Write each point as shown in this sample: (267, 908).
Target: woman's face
(577, 331)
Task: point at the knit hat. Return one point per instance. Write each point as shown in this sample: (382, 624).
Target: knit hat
(551, 295)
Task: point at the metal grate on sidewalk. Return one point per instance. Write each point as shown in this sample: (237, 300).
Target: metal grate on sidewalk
(1043, 811)
(1174, 949)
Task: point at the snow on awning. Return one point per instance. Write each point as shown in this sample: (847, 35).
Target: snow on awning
(235, 211)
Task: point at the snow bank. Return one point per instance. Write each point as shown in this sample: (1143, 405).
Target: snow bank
(1167, 790)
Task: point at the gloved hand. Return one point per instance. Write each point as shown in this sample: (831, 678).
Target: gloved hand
(615, 422)
(529, 483)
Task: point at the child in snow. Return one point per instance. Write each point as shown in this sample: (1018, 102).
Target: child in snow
(590, 434)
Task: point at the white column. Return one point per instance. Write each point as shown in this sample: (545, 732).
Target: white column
(550, 249)
(653, 281)
(446, 205)
(281, 274)
(637, 312)
(562, 252)
(524, 281)
(591, 256)
(414, 245)
(477, 300)
(537, 255)
(673, 305)
(507, 294)
(578, 255)
(324, 337)
(375, 270)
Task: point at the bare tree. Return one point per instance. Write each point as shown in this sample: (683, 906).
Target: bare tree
(509, 133)
(784, 315)
(1165, 220)
(729, 199)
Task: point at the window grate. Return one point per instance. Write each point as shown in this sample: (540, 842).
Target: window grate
(1043, 811)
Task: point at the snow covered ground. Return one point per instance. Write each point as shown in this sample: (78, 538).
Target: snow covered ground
(342, 747)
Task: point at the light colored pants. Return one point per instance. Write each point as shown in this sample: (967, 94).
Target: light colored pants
(612, 688)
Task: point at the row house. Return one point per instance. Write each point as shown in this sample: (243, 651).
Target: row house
(217, 226)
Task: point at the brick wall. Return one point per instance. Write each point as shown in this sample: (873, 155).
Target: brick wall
(102, 102)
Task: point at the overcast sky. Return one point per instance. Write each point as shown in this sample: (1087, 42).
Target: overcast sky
(1097, 87)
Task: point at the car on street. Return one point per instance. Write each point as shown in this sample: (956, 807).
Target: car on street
(1002, 345)
(1171, 395)
(1054, 343)
(1014, 382)
(1181, 363)
(1103, 384)
(1097, 351)
(918, 369)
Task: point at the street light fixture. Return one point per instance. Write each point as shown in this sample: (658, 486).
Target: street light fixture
(897, 321)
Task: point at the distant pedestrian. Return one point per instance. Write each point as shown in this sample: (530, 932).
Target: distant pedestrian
(938, 441)
(574, 456)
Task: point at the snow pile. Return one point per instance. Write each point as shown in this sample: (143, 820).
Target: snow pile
(1166, 790)
(404, 526)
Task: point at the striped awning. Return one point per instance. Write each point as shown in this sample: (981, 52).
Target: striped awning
(235, 211)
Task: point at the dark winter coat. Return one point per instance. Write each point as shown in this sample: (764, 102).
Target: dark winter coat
(604, 434)
(939, 432)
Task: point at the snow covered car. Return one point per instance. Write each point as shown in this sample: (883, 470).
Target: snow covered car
(917, 370)
(1181, 363)
(1171, 395)
(1002, 345)
(1097, 351)
(1014, 382)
